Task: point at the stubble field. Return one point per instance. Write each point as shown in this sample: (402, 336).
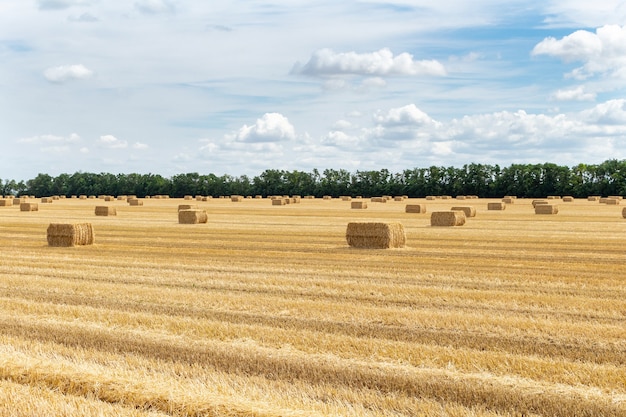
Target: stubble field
(266, 311)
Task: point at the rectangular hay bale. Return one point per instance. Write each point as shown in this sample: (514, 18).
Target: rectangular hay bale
(415, 208)
(67, 235)
(6, 202)
(358, 204)
(546, 209)
(496, 206)
(469, 211)
(192, 216)
(106, 211)
(29, 207)
(375, 235)
(447, 218)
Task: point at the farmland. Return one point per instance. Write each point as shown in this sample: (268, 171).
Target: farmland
(266, 311)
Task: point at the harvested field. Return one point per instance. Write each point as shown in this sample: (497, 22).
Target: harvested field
(266, 312)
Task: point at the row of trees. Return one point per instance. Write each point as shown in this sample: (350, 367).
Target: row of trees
(522, 180)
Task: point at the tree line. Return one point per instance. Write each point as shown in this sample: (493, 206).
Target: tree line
(483, 180)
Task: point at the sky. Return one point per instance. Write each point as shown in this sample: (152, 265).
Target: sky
(239, 87)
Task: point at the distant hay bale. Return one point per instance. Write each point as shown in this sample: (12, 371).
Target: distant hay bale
(431, 197)
(568, 199)
(358, 204)
(538, 202)
(17, 201)
(512, 197)
(327, 197)
(188, 197)
(447, 218)
(66, 235)
(106, 211)
(446, 197)
(192, 216)
(508, 200)
(617, 197)
(546, 209)
(612, 201)
(460, 197)
(415, 208)
(279, 201)
(6, 202)
(554, 197)
(398, 198)
(379, 200)
(309, 197)
(122, 198)
(29, 207)
(624, 212)
(258, 196)
(135, 202)
(593, 198)
(346, 198)
(109, 198)
(46, 200)
(496, 206)
(375, 235)
(469, 211)
(187, 207)
(236, 198)
(296, 199)
(82, 197)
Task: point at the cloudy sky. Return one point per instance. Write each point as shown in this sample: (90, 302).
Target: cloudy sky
(237, 87)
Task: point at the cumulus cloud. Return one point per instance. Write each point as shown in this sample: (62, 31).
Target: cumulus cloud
(50, 139)
(406, 115)
(602, 52)
(155, 6)
(612, 112)
(573, 94)
(65, 73)
(111, 142)
(326, 62)
(272, 127)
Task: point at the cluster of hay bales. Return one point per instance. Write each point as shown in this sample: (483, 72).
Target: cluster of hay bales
(546, 209)
(447, 218)
(496, 206)
(415, 208)
(106, 211)
(610, 201)
(282, 201)
(192, 216)
(358, 204)
(469, 211)
(6, 202)
(66, 235)
(376, 235)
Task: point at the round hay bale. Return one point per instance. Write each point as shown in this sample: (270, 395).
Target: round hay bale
(415, 208)
(447, 218)
(358, 204)
(546, 209)
(375, 235)
(192, 216)
(106, 211)
(496, 206)
(67, 235)
(29, 207)
(469, 211)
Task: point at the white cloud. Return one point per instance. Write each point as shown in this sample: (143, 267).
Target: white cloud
(272, 127)
(155, 6)
(66, 73)
(111, 142)
(612, 112)
(326, 62)
(48, 139)
(139, 145)
(602, 52)
(406, 115)
(574, 94)
(83, 18)
(59, 4)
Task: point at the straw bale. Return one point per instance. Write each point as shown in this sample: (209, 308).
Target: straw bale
(508, 200)
(66, 235)
(17, 201)
(568, 199)
(106, 211)
(56, 197)
(460, 197)
(546, 209)
(6, 202)
(415, 208)
(29, 207)
(358, 204)
(379, 200)
(431, 197)
(258, 196)
(296, 199)
(279, 201)
(46, 199)
(470, 211)
(92, 197)
(593, 198)
(376, 235)
(618, 197)
(513, 197)
(109, 198)
(236, 198)
(122, 198)
(398, 198)
(82, 197)
(496, 206)
(538, 202)
(135, 202)
(612, 201)
(554, 197)
(192, 216)
(447, 218)
(188, 197)
(328, 197)
(624, 212)
(187, 207)
(446, 197)
(309, 197)
(346, 198)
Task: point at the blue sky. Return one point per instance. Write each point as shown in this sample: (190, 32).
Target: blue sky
(174, 86)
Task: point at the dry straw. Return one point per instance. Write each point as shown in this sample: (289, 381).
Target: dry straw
(135, 202)
(460, 197)
(496, 206)
(106, 211)
(379, 200)
(593, 198)
(346, 198)
(508, 200)
(6, 202)
(568, 199)
(538, 202)
(46, 200)
(29, 207)
(447, 218)
(358, 204)
(546, 209)
(236, 198)
(415, 208)
(192, 216)
(187, 207)
(624, 212)
(612, 201)
(469, 211)
(431, 197)
(376, 235)
(279, 201)
(66, 235)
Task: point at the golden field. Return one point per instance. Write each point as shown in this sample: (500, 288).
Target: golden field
(266, 311)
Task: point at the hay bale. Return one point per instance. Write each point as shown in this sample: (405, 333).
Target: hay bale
(358, 204)
(593, 198)
(279, 201)
(66, 235)
(469, 211)
(109, 198)
(106, 211)
(17, 201)
(431, 197)
(496, 206)
(546, 209)
(568, 199)
(612, 201)
(379, 199)
(82, 197)
(135, 202)
(6, 202)
(447, 218)
(188, 197)
(346, 198)
(538, 202)
(327, 197)
(415, 208)
(554, 197)
(460, 197)
(508, 200)
(187, 207)
(624, 212)
(376, 235)
(192, 216)
(29, 207)
(236, 198)
(46, 200)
